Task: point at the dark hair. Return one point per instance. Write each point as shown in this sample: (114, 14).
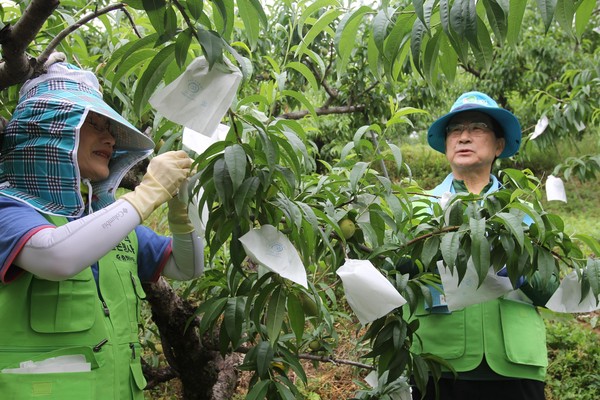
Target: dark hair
(498, 131)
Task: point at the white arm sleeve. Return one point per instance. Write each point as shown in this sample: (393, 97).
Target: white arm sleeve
(60, 253)
(187, 260)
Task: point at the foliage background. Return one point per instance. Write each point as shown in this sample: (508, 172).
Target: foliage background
(335, 105)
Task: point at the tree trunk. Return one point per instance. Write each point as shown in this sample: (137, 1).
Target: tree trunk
(199, 368)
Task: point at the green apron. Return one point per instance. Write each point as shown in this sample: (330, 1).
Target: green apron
(40, 319)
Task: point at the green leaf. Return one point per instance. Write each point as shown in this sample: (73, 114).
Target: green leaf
(564, 13)
(547, 8)
(151, 78)
(418, 5)
(399, 116)
(211, 309)
(315, 7)
(463, 19)
(226, 15)
(306, 72)
(318, 28)
(358, 170)
(450, 58)
(222, 181)
(245, 194)
(431, 57)
(294, 363)
(515, 19)
(284, 391)
(296, 316)
(535, 216)
(135, 60)
(128, 49)
(302, 99)
(155, 9)
(546, 265)
(593, 275)
(397, 39)
(137, 4)
(514, 225)
(182, 45)
(380, 25)
(260, 12)
(480, 248)
(430, 250)
(275, 314)
(582, 18)
(260, 389)
(255, 305)
(454, 213)
(418, 31)
(233, 318)
(212, 46)
(244, 63)
(497, 19)
(482, 45)
(264, 357)
(251, 20)
(195, 8)
(397, 153)
(590, 241)
(170, 23)
(449, 248)
(459, 45)
(291, 210)
(346, 34)
(235, 159)
(420, 372)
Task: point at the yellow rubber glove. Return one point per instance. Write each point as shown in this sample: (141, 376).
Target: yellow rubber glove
(161, 182)
(179, 222)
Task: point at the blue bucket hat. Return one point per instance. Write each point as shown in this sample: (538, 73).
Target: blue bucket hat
(477, 101)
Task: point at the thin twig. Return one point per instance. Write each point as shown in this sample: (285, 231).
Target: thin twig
(65, 32)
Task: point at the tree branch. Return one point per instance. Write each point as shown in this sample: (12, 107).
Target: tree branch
(313, 357)
(43, 57)
(324, 111)
(335, 361)
(17, 67)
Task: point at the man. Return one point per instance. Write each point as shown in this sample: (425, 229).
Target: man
(497, 348)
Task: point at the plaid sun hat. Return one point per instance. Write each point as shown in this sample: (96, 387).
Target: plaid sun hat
(477, 101)
(38, 158)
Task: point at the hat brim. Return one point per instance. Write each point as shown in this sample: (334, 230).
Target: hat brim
(127, 137)
(436, 135)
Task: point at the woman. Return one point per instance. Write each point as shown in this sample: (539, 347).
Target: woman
(71, 257)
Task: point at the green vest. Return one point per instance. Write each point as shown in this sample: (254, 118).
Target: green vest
(510, 334)
(40, 319)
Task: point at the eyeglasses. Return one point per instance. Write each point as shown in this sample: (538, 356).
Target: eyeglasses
(100, 124)
(474, 129)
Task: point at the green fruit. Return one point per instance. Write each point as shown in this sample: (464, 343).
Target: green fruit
(315, 345)
(348, 228)
(309, 306)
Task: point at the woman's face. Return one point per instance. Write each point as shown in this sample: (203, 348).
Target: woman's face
(96, 145)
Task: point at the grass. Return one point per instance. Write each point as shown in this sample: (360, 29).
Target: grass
(574, 356)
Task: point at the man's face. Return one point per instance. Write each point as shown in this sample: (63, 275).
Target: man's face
(96, 145)
(471, 145)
